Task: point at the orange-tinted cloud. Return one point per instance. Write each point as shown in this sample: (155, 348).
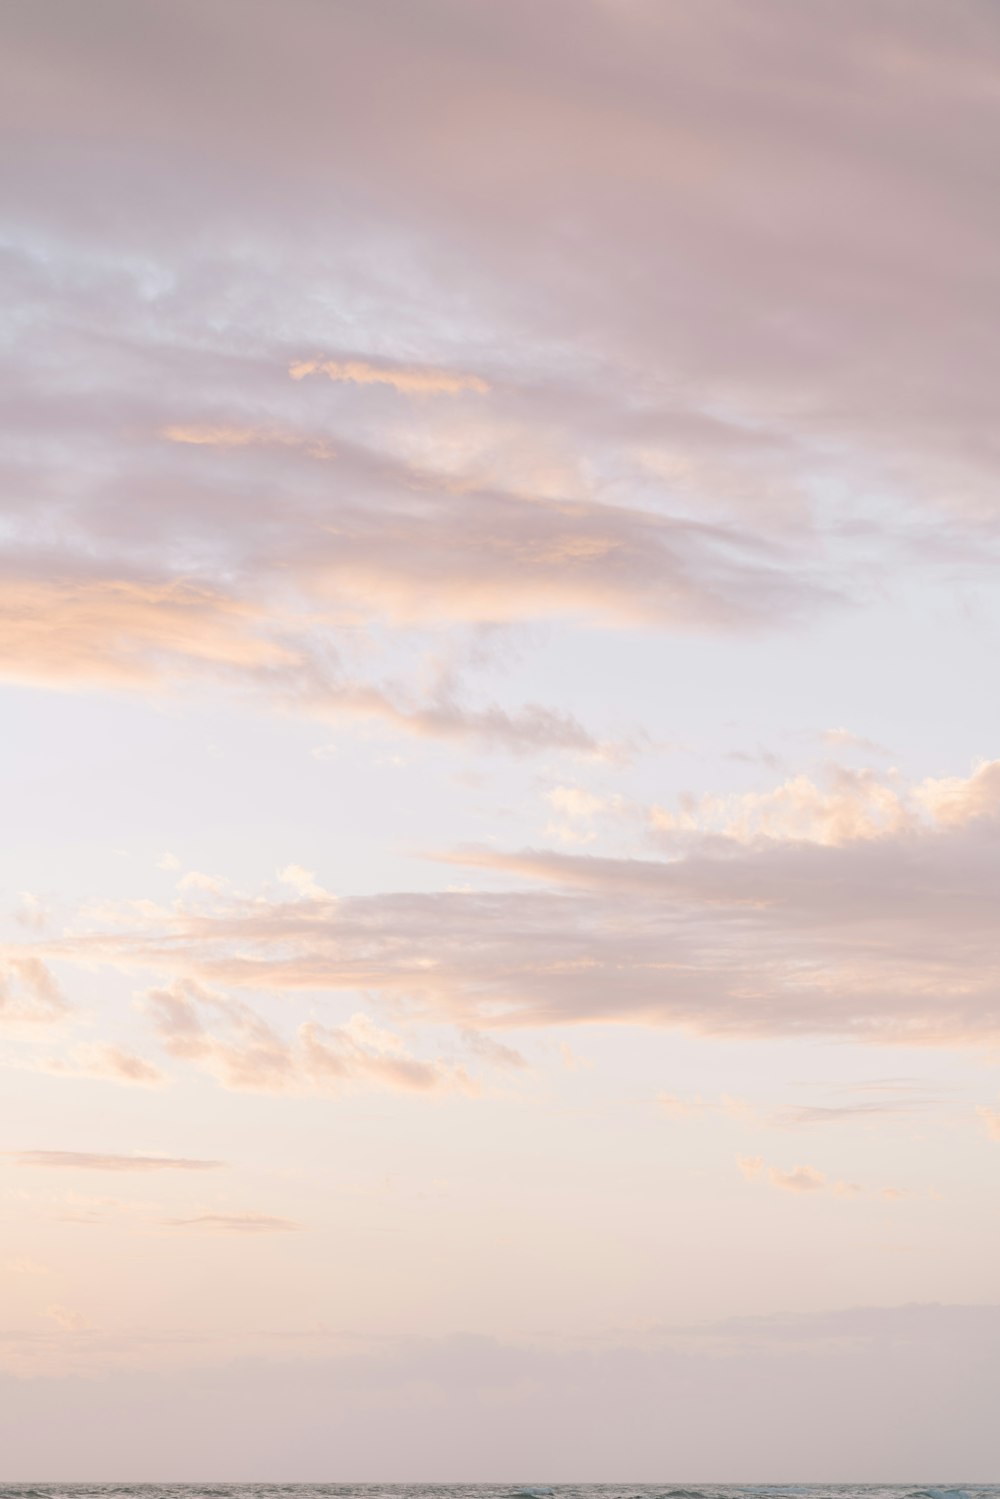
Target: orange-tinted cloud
(798, 1179)
(84, 632)
(110, 631)
(411, 379)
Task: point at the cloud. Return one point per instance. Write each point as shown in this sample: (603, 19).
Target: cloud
(799, 1179)
(803, 1180)
(81, 1160)
(29, 993)
(104, 1061)
(303, 881)
(22, 1265)
(576, 810)
(31, 911)
(683, 1108)
(677, 384)
(237, 1046)
(883, 938)
(491, 1051)
(243, 437)
(236, 1223)
(958, 800)
(793, 1116)
(991, 1121)
(878, 935)
(685, 394)
(848, 805)
(575, 802)
(845, 1113)
(67, 1320)
(157, 635)
(210, 884)
(845, 739)
(623, 470)
(123, 632)
(469, 1404)
(411, 380)
(517, 241)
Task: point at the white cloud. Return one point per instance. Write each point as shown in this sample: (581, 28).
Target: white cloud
(210, 884)
(31, 911)
(303, 881)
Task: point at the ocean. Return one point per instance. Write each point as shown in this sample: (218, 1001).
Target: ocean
(493, 1491)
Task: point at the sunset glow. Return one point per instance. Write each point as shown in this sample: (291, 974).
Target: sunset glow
(500, 859)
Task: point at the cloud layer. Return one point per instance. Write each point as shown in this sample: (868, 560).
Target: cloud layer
(601, 380)
(874, 922)
(607, 382)
(470, 1405)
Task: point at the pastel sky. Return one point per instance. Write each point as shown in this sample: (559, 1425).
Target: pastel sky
(499, 545)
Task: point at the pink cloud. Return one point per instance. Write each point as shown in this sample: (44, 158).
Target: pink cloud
(882, 937)
(236, 1045)
(29, 993)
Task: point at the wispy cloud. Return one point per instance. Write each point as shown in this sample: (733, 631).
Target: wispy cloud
(83, 1160)
(846, 1113)
(236, 1223)
(411, 379)
(68, 1320)
(841, 738)
(29, 993)
(103, 1061)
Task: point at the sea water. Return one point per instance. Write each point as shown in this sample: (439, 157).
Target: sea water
(527, 1490)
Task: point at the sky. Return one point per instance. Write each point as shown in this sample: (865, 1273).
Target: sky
(500, 762)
